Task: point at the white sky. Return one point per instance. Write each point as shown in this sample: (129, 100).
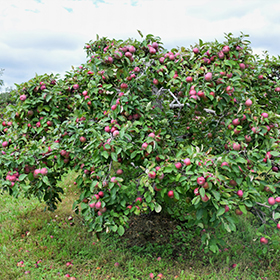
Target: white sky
(48, 36)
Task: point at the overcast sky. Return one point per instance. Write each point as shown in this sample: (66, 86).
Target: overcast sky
(48, 36)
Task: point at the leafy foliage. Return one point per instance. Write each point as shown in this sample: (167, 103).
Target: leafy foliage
(131, 116)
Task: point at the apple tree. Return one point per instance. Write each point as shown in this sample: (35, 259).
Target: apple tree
(193, 132)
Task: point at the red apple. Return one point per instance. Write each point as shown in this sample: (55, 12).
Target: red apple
(170, 194)
(187, 161)
(248, 102)
(205, 198)
(178, 165)
(44, 171)
(236, 122)
(152, 175)
(271, 201)
(200, 180)
(248, 138)
(263, 240)
(238, 212)
(196, 50)
(236, 146)
(208, 77)
(240, 193)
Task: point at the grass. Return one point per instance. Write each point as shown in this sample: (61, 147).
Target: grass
(35, 244)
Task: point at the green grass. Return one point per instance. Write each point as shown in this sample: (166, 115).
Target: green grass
(46, 241)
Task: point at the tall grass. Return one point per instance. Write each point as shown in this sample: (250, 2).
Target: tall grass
(36, 244)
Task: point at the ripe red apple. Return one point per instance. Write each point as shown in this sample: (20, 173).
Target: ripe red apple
(271, 201)
(178, 165)
(248, 138)
(157, 189)
(208, 77)
(116, 133)
(200, 180)
(44, 171)
(119, 172)
(225, 49)
(248, 102)
(278, 225)
(205, 198)
(236, 122)
(92, 205)
(101, 194)
(187, 161)
(224, 164)
(114, 107)
(22, 97)
(36, 172)
(152, 175)
(98, 205)
(189, 79)
(236, 146)
(152, 50)
(124, 86)
(226, 208)
(113, 180)
(83, 139)
(277, 199)
(155, 81)
(242, 66)
(5, 144)
(138, 199)
(144, 145)
(238, 212)
(170, 194)
(196, 50)
(240, 193)
(263, 240)
(265, 115)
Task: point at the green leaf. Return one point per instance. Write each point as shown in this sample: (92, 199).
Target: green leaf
(46, 180)
(105, 154)
(22, 177)
(202, 192)
(214, 248)
(275, 153)
(169, 168)
(221, 211)
(276, 216)
(140, 33)
(243, 209)
(199, 214)
(216, 195)
(149, 149)
(121, 230)
(133, 154)
(157, 208)
(92, 185)
(114, 157)
(196, 200)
